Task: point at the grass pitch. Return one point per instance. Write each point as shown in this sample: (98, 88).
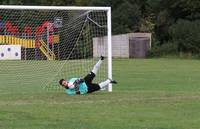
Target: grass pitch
(151, 94)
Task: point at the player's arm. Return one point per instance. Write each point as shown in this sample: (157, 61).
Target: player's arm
(78, 81)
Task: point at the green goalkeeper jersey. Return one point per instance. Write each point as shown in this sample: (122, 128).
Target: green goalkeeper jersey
(83, 88)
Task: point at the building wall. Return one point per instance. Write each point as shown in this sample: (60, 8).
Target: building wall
(120, 44)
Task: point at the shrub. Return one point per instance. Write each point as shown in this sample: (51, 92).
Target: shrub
(186, 35)
(165, 49)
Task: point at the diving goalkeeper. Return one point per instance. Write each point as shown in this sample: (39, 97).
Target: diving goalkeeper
(85, 85)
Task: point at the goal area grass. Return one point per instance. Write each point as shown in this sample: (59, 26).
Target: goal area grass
(150, 94)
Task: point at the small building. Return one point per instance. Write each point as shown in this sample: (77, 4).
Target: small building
(131, 45)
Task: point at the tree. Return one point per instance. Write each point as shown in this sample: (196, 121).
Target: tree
(126, 14)
(169, 11)
(186, 35)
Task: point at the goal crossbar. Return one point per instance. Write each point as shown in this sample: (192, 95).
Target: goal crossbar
(54, 7)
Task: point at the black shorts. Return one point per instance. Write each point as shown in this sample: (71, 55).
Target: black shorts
(91, 86)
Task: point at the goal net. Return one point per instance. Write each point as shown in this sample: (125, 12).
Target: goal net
(41, 45)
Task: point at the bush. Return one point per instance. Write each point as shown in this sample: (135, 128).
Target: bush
(186, 35)
(185, 41)
(164, 50)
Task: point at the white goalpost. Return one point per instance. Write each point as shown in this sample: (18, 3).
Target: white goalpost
(41, 44)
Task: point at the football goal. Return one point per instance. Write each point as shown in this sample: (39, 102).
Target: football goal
(39, 45)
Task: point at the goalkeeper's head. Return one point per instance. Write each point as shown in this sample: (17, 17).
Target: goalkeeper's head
(63, 83)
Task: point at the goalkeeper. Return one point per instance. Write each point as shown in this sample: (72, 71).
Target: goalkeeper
(85, 85)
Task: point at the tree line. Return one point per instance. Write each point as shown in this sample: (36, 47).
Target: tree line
(175, 24)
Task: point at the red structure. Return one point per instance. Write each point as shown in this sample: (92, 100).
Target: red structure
(40, 30)
(28, 30)
(38, 34)
(8, 27)
(14, 30)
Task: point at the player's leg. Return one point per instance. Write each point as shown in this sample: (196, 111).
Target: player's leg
(88, 79)
(105, 83)
(97, 65)
(92, 87)
(95, 87)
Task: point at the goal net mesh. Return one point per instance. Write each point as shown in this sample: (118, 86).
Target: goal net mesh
(39, 47)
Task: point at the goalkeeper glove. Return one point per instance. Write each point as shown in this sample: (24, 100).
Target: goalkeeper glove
(79, 81)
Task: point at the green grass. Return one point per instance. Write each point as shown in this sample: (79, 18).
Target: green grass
(151, 94)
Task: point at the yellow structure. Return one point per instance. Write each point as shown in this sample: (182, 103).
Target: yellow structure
(56, 39)
(47, 52)
(30, 43)
(26, 43)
